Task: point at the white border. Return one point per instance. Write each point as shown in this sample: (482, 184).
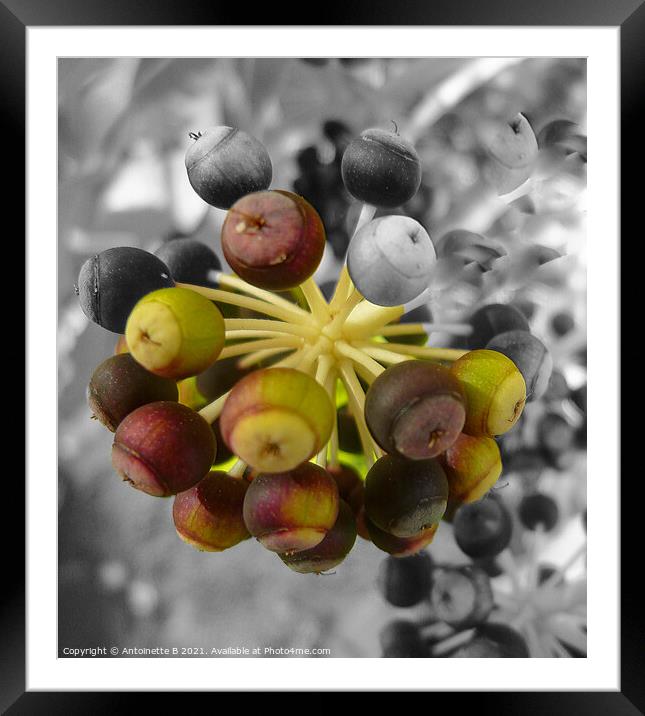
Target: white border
(601, 669)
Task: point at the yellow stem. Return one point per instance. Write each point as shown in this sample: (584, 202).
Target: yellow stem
(373, 368)
(238, 349)
(257, 357)
(383, 355)
(325, 363)
(342, 289)
(330, 387)
(212, 411)
(237, 470)
(263, 325)
(357, 404)
(416, 351)
(353, 300)
(368, 318)
(317, 304)
(237, 283)
(290, 314)
(309, 357)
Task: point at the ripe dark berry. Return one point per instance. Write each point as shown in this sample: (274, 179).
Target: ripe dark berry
(404, 497)
(333, 549)
(401, 640)
(494, 641)
(119, 385)
(493, 319)
(382, 169)
(189, 261)
(538, 510)
(531, 357)
(405, 582)
(482, 529)
(208, 516)
(163, 448)
(461, 596)
(351, 487)
(349, 438)
(220, 377)
(112, 282)
(273, 239)
(224, 164)
(415, 409)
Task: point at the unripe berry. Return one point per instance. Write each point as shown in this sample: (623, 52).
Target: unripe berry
(273, 239)
(405, 497)
(111, 283)
(224, 164)
(276, 418)
(190, 261)
(415, 409)
(390, 260)
(495, 392)
(333, 549)
(531, 357)
(291, 511)
(380, 168)
(472, 466)
(175, 332)
(163, 448)
(119, 385)
(208, 516)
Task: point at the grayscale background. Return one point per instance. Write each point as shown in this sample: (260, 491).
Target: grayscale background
(125, 578)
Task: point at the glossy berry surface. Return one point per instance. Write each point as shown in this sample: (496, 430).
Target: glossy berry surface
(333, 549)
(225, 163)
(381, 168)
(163, 448)
(111, 283)
(404, 497)
(175, 332)
(390, 260)
(273, 239)
(482, 529)
(190, 261)
(208, 516)
(119, 385)
(415, 409)
(406, 582)
(291, 511)
(531, 357)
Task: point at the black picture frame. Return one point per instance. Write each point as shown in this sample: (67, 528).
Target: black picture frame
(17, 15)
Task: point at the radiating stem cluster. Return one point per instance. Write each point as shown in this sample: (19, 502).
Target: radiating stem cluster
(336, 340)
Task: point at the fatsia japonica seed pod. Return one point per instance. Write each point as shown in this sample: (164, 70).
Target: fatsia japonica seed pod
(381, 168)
(390, 260)
(224, 164)
(404, 497)
(415, 409)
(273, 239)
(495, 392)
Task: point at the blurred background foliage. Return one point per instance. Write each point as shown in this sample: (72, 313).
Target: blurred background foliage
(125, 577)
